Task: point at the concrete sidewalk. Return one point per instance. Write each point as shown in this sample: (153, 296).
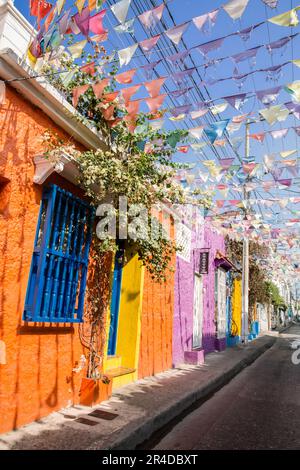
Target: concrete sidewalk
(139, 409)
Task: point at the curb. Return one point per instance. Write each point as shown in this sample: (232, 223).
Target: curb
(141, 432)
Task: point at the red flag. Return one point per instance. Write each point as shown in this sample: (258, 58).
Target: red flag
(39, 8)
(89, 68)
(183, 149)
(77, 92)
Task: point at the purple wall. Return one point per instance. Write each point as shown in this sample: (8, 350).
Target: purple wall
(202, 237)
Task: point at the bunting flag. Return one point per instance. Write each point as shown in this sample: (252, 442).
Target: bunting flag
(294, 109)
(274, 114)
(210, 46)
(218, 108)
(269, 96)
(155, 103)
(196, 132)
(77, 49)
(260, 137)
(226, 163)
(82, 20)
(59, 5)
(280, 134)
(248, 54)
(50, 18)
(294, 90)
(150, 18)
(89, 69)
(271, 3)
(94, 4)
(235, 8)
(67, 77)
(80, 4)
(125, 55)
(127, 27)
(126, 77)
(99, 87)
(236, 101)
(133, 108)
(288, 153)
(154, 86)
(290, 18)
(96, 23)
(127, 93)
(207, 21)
(216, 130)
(120, 10)
(63, 23)
(77, 92)
(175, 34)
(148, 44)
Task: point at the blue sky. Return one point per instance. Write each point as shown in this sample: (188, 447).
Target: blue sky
(184, 10)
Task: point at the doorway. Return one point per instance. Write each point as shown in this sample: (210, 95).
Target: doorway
(198, 312)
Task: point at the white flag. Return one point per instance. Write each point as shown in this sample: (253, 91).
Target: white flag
(120, 10)
(125, 55)
(235, 8)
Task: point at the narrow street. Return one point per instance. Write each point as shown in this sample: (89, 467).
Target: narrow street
(258, 409)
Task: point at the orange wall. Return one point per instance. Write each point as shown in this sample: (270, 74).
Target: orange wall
(157, 325)
(37, 377)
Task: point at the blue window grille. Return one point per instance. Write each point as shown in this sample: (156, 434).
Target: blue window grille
(58, 273)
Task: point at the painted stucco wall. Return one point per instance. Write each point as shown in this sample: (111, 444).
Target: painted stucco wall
(157, 323)
(202, 237)
(37, 377)
(215, 242)
(184, 297)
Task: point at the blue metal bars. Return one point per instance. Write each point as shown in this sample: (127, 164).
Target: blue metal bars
(58, 272)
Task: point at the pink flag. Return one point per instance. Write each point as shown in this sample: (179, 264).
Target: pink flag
(151, 17)
(99, 87)
(96, 23)
(110, 97)
(89, 68)
(249, 167)
(155, 103)
(148, 44)
(127, 93)
(260, 137)
(226, 163)
(108, 113)
(126, 77)
(175, 34)
(83, 21)
(285, 182)
(208, 18)
(154, 86)
(220, 203)
(77, 92)
(279, 134)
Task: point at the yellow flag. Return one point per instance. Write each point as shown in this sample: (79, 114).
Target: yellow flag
(218, 108)
(290, 18)
(31, 58)
(287, 153)
(92, 4)
(77, 48)
(60, 4)
(296, 62)
(80, 5)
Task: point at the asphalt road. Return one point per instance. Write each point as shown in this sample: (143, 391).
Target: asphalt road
(258, 409)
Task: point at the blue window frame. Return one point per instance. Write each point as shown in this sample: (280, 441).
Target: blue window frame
(58, 273)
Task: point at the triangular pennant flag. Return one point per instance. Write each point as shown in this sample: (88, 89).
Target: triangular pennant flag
(268, 96)
(110, 97)
(216, 130)
(77, 92)
(287, 153)
(218, 108)
(155, 103)
(175, 34)
(99, 87)
(148, 44)
(235, 8)
(126, 77)
(120, 10)
(196, 132)
(280, 134)
(50, 18)
(60, 5)
(207, 19)
(154, 86)
(93, 4)
(151, 17)
(290, 18)
(83, 21)
(77, 49)
(236, 101)
(125, 55)
(271, 3)
(96, 23)
(89, 68)
(133, 108)
(294, 90)
(127, 93)
(126, 27)
(274, 114)
(260, 137)
(293, 170)
(80, 5)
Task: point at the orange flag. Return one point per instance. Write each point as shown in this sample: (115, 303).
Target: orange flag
(77, 92)
(99, 87)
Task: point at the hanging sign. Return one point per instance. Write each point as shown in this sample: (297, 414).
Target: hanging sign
(203, 265)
